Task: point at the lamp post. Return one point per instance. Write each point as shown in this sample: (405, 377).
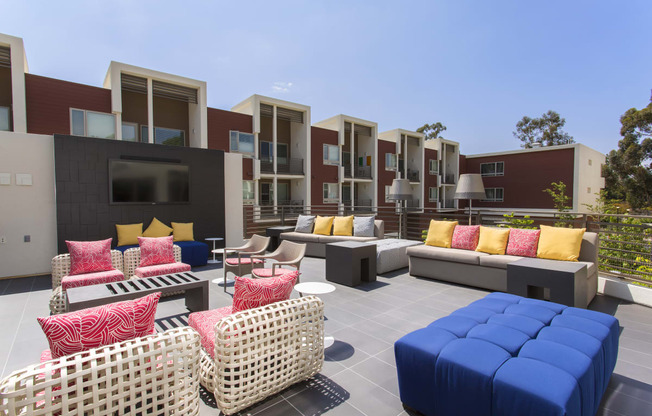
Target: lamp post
(400, 191)
(470, 187)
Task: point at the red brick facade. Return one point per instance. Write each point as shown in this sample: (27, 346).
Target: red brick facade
(220, 123)
(321, 173)
(385, 177)
(429, 180)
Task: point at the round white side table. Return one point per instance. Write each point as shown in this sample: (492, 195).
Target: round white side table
(316, 288)
(214, 260)
(223, 281)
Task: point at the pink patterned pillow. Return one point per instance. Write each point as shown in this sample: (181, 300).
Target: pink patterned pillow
(78, 331)
(89, 256)
(523, 242)
(252, 293)
(466, 237)
(155, 251)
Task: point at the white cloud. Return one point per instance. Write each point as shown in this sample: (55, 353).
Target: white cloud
(281, 87)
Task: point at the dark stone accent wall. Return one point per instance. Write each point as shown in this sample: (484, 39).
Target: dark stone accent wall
(82, 189)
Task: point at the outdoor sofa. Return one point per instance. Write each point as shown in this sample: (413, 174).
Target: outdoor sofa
(316, 243)
(488, 271)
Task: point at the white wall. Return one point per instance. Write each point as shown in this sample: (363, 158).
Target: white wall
(233, 215)
(27, 210)
(587, 176)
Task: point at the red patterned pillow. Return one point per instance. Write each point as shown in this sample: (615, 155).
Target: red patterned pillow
(252, 293)
(466, 237)
(523, 242)
(89, 256)
(78, 331)
(155, 251)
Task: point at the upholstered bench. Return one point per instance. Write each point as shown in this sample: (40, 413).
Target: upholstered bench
(391, 254)
(508, 355)
(194, 253)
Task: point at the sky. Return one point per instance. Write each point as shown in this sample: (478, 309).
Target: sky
(476, 66)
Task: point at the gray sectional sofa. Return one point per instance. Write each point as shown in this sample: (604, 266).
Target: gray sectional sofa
(316, 243)
(488, 271)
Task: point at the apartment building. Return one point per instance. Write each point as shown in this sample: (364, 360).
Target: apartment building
(403, 156)
(516, 179)
(356, 155)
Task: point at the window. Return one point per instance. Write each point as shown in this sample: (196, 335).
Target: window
(242, 142)
(248, 192)
(433, 194)
(331, 154)
(92, 124)
(387, 188)
(282, 153)
(390, 161)
(5, 119)
(169, 137)
(434, 167)
(266, 152)
(492, 169)
(331, 192)
(493, 194)
(129, 132)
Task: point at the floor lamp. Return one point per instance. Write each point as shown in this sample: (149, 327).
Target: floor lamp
(400, 191)
(470, 187)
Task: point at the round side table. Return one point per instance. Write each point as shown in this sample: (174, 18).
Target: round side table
(316, 288)
(214, 260)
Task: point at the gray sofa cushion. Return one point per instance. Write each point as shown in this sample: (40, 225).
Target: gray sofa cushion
(300, 237)
(498, 261)
(363, 226)
(325, 239)
(446, 254)
(305, 224)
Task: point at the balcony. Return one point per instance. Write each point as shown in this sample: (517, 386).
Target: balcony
(448, 179)
(347, 171)
(363, 172)
(413, 175)
(291, 166)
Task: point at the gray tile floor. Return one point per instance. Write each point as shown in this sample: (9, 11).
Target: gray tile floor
(359, 373)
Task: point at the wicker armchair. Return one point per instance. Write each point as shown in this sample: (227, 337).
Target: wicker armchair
(287, 254)
(61, 268)
(263, 351)
(157, 374)
(132, 260)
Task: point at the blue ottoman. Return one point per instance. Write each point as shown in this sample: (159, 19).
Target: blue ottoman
(194, 253)
(507, 355)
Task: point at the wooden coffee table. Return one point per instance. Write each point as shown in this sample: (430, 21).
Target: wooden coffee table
(195, 287)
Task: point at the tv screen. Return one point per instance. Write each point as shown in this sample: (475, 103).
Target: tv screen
(135, 181)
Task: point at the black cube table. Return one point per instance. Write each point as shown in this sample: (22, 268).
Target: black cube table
(566, 280)
(274, 233)
(350, 262)
(195, 287)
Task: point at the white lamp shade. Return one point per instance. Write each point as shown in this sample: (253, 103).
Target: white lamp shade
(470, 186)
(400, 190)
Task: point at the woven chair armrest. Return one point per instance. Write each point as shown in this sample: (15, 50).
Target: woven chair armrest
(288, 263)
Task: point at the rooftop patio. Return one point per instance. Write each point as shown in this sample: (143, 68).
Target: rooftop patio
(359, 374)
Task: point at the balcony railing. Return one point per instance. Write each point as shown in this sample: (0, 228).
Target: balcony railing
(292, 166)
(448, 179)
(363, 172)
(413, 204)
(347, 171)
(413, 175)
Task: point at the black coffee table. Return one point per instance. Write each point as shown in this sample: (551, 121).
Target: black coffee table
(195, 287)
(350, 262)
(274, 233)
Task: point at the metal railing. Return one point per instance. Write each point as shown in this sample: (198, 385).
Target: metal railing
(292, 166)
(413, 175)
(625, 241)
(363, 172)
(448, 179)
(347, 171)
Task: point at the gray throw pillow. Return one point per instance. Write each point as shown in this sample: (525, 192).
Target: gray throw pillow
(363, 226)
(305, 223)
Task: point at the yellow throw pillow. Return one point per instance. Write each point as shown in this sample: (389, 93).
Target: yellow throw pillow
(557, 243)
(182, 231)
(323, 225)
(157, 229)
(440, 233)
(128, 234)
(493, 240)
(343, 225)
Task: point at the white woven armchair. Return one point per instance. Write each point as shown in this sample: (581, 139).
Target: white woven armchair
(61, 268)
(263, 351)
(132, 260)
(157, 374)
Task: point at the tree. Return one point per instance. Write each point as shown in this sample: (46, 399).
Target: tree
(560, 200)
(546, 130)
(432, 131)
(628, 171)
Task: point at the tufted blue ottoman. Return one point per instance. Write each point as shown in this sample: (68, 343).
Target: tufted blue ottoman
(507, 355)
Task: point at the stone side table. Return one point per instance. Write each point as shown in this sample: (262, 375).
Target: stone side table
(566, 280)
(349, 263)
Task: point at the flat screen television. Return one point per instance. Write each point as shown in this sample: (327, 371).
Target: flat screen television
(145, 182)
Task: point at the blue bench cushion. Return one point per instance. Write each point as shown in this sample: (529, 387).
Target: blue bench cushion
(508, 355)
(194, 253)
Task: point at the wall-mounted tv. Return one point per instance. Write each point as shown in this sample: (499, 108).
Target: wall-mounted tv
(148, 182)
